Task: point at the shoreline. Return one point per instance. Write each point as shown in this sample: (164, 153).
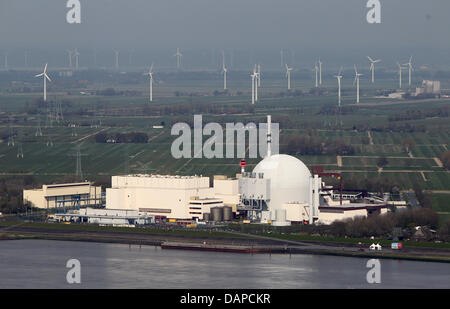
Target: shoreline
(222, 244)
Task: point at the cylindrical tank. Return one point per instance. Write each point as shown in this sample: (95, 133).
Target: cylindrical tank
(227, 213)
(281, 215)
(217, 214)
(206, 216)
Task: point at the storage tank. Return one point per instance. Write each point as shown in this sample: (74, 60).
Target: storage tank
(206, 216)
(217, 214)
(227, 213)
(280, 218)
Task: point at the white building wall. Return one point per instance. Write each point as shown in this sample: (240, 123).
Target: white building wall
(167, 196)
(45, 197)
(328, 216)
(228, 191)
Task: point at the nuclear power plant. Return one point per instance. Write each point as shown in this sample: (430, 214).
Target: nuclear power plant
(281, 190)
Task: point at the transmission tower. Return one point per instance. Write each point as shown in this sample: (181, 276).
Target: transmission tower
(11, 137)
(38, 129)
(74, 131)
(78, 155)
(49, 141)
(19, 150)
(49, 119)
(11, 133)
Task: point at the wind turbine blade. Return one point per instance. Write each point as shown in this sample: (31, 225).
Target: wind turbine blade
(39, 75)
(47, 77)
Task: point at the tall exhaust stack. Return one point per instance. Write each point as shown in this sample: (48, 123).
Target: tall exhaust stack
(269, 135)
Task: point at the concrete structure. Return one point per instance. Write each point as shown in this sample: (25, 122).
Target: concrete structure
(282, 190)
(52, 195)
(429, 87)
(115, 217)
(177, 197)
(198, 207)
(227, 190)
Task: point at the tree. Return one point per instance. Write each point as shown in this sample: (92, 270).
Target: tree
(445, 159)
(408, 143)
(382, 162)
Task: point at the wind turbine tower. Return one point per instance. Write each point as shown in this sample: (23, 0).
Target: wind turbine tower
(224, 71)
(69, 53)
(400, 68)
(259, 75)
(372, 67)
(288, 74)
(410, 69)
(339, 78)
(76, 54)
(316, 70)
(178, 55)
(253, 76)
(150, 74)
(357, 75)
(117, 59)
(45, 77)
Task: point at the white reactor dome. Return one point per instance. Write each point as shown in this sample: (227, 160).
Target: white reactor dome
(289, 180)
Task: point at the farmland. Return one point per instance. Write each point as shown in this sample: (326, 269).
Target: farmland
(369, 129)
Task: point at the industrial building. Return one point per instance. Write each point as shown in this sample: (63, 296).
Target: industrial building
(80, 194)
(177, 197)
(429, 87)
(280, 190)
(114, 217)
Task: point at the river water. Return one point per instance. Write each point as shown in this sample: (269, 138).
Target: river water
(42, 264)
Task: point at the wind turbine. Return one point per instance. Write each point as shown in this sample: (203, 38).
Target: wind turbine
(253, 76)
(320, 72)
(117, 59)
(178, 55)
(410, 69)
(357, 75)
(150, 73)
(372, 67)
(399, 74)
(45, 76)
(288, 74)
(259, 75)
(339, 78)
(224, 71)
(281, 58)
(76, 54)
(69, 53)
(316, 70)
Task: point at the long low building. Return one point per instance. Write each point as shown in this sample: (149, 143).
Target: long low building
(177, 197)
(63, 195)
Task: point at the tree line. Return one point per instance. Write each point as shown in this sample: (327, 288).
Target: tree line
(115, 137)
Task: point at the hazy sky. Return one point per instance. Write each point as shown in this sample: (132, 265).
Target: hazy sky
(322, 25)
